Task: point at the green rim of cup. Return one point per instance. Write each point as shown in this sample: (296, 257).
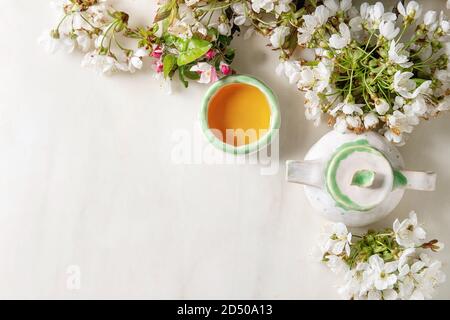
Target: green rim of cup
(275, 120)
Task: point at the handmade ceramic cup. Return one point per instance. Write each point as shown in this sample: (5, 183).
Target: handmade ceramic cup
(248, 94)
(356, 179)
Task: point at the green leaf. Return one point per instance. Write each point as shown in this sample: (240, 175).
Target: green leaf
(311, 63)
(191, 74)
(292, 42)
(213, 33)
(162, 14)
(225, 40)
(198, 43)
(179, 43)
(168, 39)
(229, 55)
(168, 64)
(191, 55)
(182, 79)
(196, 48)
(165, 11)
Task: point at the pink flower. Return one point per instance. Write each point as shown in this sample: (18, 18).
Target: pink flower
(159, 66)
(208, 73)
(225, 69)
(157, 52)
(214, 76)
(210, 54)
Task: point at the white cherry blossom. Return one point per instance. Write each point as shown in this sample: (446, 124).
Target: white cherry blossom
(191, 2)
(406, 87)
(322, 74)
(408, 233)
(341, 124)
(409, 274)
(412, 10)
(312, 109)
(356, 284)
(291, 69)
(104, 64)
(338, 5)
(382, 106)
(339, 240)
(396, 56)
(208, 73)
(337, 265)
(353, 122)
(278, 36)
(224, 29)
(135, 62)
(49, 41)
(370, 120)
(266, 5)
(307, 78)
(348, 108)
(341, 40)
(394, 135)
(84, 41)
(381, 273)
(282, 6)
(240, 9)
(311, 23)
(444, 105)
(388, 29)
(431, 20)
(387, 294)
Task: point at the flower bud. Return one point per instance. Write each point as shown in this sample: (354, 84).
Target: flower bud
(199, 13)
(225, 69)
(264, 31)
(121, 16)
(159, 67)
(436, 45)
(420, 32)
(157, 52)
(54, 34)
(103, 51)
(210, 54)
(373, 63)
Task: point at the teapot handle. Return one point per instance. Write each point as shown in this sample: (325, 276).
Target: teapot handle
(415, 180)
(305, 172)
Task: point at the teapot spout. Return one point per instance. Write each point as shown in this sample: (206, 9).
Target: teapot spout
(304, 172)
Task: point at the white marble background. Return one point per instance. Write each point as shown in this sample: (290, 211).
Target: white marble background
(86, 179)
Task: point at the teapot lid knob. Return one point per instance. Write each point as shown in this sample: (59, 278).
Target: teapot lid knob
(363, 178)
(359, 177)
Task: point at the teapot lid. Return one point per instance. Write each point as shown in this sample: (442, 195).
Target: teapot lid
(358, 176)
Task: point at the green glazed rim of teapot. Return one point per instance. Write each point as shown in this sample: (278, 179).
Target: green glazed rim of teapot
(343, 200)
(361, 178)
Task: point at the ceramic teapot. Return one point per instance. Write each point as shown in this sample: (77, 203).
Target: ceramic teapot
(355, 179)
